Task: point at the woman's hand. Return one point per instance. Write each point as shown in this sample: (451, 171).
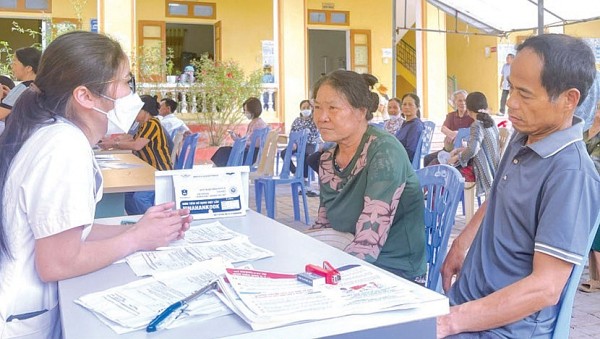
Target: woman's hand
(160, 225)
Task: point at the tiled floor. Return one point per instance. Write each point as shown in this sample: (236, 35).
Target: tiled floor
(586, 313)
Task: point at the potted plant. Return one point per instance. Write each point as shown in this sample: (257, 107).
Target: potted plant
(220, 90)
(169, 64)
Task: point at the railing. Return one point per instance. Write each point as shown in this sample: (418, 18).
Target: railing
(190, 98)
(406, 56)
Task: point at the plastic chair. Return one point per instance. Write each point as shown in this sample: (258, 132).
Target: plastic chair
(424, 144)
(236, 157)
(267, 158)
(442, 186)
(268, 184)
(463, 134)
(185, 160)
(565, 304)
(258, 136)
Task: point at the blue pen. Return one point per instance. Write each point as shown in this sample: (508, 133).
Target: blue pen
(182, 304)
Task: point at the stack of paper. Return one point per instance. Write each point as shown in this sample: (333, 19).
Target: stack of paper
(132, 306)
(266, 300)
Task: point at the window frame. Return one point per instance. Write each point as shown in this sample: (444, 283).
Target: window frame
(21, 8)
(190, 13)
(328, 15)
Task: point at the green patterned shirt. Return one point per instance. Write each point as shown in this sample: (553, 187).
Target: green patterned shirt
(377, 197)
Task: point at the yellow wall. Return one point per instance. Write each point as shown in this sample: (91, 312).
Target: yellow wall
(372, 15)
(60, 9)
(584, 30)
(468, 63)
(244, 24)
(433, 97)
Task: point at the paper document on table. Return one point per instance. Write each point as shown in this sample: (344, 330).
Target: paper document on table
(234, 251)
(214, 231)
(267, 300)
(132, 306)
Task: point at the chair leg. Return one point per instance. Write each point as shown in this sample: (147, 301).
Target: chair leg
(258, 190)
(305, 203)
(469, 200)
(270, 199)
(295, 202)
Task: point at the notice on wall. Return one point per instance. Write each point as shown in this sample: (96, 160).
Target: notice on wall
(210, 195)
(268, 52)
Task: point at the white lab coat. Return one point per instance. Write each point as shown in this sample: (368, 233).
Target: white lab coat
(52, 186)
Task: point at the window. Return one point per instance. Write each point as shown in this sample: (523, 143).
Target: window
(205, 10)
(321, 17)
(26, 5)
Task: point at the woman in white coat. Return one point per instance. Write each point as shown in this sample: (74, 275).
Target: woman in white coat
(50, 182)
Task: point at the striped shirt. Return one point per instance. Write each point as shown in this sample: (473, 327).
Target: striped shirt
(156, 152)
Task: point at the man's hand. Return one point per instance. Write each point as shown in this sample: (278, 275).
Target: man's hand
(3, 91)
(452, 264)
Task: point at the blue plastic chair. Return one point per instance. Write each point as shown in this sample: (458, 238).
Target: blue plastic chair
(565, 304)
(463, 135)
(442, 186)
(236, 157)
(424, 145)
(257, 134)
(268, 184)
(185, 160)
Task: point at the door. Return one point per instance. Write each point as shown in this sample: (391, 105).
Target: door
(151, 52)
(326, 53)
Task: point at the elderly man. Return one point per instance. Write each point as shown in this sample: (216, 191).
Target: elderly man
(454, 121)
(535, 226)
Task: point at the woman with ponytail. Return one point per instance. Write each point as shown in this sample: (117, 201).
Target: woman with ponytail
(50, 182)
(483, 148)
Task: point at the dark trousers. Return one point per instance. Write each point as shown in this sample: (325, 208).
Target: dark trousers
(503, 100)
(221, 156)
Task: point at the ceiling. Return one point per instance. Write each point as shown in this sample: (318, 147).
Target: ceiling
(500, 17)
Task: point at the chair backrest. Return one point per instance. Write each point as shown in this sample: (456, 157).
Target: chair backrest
(463, 134)
(267, 158)
(177, 143)
(565, 304)
(297, 140)
(258, 136)
(424, 144)
(236, 157)
(503, 134)
(442, 186)
(185, 160)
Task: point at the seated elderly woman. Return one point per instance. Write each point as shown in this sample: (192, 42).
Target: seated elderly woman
(368, 187)
(410, 131)
(483, 148)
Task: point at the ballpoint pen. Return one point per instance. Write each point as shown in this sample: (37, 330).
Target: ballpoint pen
(180, 305)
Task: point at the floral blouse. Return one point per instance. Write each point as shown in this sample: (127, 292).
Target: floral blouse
(377, 198)
(301, 123)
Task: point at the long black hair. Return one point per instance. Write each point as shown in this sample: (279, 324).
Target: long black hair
(73, 59)
(477, 103)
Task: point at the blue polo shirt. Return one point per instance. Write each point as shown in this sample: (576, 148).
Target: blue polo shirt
(544, 198)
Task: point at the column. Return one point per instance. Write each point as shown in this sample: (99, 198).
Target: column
(117, 18)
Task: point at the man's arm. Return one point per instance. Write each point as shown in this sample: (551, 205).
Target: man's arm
(540, 289)
(456, 256)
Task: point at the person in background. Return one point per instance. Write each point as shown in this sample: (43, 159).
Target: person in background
(305, 121)
(50, 182)
(504, 82)
(367, 185)
(6, 84)
(395, 121)
(483, 148)
(170, 122)
(252, 110)
(523, 242)
(24, 66)
(149, 144)
(187, 77)
(410, 131)
(454, 121)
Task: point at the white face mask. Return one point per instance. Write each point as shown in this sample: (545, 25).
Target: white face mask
(249, 115)
(395, 117)
(121, 117)
(305, 112)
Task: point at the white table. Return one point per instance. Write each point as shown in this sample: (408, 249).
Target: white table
(293, 250)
